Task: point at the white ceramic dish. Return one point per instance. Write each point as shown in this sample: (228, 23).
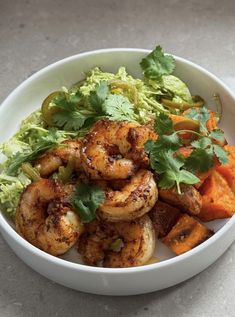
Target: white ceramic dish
(129, 281)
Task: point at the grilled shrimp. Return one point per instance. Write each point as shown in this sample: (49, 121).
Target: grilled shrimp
(115, 150)
(53, 159)
(137, 243)
(44, 220)
(133, 200)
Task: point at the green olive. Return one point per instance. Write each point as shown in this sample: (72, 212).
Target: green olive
(47, 110)
(187, 124)
(197, 103)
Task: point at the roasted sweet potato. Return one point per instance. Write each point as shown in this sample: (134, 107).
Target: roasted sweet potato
(228, 170)
(163, 217)
(211, 124)
(186, 234)
(189, 201)
(218, 200)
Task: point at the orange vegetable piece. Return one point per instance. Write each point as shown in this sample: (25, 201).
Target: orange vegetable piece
(228, 170)
(218, 200)
(186, 234)
(211, 124)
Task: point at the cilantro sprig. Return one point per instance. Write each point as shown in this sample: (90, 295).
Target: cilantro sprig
(174, 169)
(163, 157)
(73, 113)
(86, 200)
(156, 64)
(69, 116)
(201, 115)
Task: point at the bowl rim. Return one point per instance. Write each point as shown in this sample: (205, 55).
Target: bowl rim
(7, 229)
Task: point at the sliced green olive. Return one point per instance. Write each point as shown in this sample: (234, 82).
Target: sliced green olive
(197, 103)
(30, 171)
(65, 172)
(125, 85)
(47, 110)
(187, 124)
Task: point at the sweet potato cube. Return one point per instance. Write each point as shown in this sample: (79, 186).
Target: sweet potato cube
(228, 170)
(189, 200)
(218, 200)
(163, 217)
(186, 234)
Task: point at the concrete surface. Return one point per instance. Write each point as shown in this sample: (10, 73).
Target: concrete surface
(34, 34)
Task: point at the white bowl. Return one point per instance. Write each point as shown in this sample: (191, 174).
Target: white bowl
(127, 281)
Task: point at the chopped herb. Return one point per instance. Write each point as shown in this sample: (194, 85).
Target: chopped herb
(174, 169)
(201, 115)
(221, 154)
(69, 117)
(200, 160)
(86, 200)
(119, 108)
(156, 64)
(98, 97)
(163, 124)
(217, 134)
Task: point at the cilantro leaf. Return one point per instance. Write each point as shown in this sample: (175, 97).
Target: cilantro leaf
(52, 138)
(200, 160)
(69, 120)
(69, 117)
(156, 64)
(97, 97)
(86, 200)
(217, 134)
(171, 170)
(188, 178)
(172, 142)
(67, 102)
(201, 115)
(118, 107)
(221, 154)
(148, 146)
(167, 180)
(202, 143)
(163, 124)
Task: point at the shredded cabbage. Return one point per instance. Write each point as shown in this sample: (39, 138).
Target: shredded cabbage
(147, 105)
(11, 188)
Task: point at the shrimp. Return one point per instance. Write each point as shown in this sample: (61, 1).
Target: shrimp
(115, 150)
(50, 161)
(44, 220)
(133, 200)
(136, 248)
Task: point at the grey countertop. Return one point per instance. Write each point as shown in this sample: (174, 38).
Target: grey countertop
(34, 34)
